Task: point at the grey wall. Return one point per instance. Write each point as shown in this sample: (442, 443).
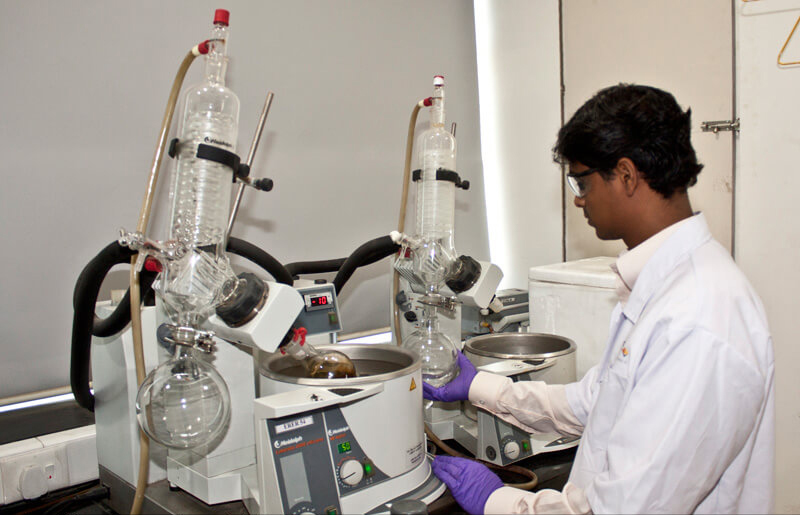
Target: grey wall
(85, 85)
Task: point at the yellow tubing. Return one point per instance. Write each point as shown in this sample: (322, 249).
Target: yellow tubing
(135, 292)
(401, 223)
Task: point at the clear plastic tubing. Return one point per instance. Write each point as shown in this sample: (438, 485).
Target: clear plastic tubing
(436, 199)
(201, 189)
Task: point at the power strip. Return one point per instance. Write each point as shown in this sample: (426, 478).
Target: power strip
(31, 468)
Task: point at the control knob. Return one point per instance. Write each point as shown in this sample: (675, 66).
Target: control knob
(351, 472)
(511, 450)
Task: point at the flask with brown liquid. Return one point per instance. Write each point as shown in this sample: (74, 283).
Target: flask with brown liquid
(319, 364)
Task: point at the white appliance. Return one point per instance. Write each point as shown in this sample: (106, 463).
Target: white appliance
(351, 445)
(574, 299)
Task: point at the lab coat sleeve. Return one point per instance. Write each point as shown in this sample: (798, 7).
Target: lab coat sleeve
(571, 500)
(692, 406)
(580, 395)
(533, 405)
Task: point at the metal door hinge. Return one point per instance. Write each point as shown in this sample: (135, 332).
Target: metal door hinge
(720, 125)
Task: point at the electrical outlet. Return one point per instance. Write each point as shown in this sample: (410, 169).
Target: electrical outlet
(31, 468)
(26, 475)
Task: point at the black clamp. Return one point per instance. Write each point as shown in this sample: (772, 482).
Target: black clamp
(225, 158)
(218, 155)
(443, 174)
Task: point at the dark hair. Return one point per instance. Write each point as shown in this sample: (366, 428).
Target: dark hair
(642, 123)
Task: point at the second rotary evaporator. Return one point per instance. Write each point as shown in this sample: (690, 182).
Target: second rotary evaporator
(246, 408)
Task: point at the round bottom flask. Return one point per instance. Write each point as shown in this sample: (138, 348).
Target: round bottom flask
(319, 364)
(184, 402)
(329, 365)
(436, 350)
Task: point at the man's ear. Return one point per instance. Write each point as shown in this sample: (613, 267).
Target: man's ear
(628, 175)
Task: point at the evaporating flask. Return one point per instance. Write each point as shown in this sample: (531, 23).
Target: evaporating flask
(184, 402)
(436, 350)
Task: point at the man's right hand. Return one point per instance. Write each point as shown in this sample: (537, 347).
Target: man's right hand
(458, 388)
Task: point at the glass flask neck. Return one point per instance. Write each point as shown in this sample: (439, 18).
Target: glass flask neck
(430, 319)
(217, 60)
(437, 107)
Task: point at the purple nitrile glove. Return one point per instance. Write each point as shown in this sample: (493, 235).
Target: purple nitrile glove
(458, 388)
(470, 482)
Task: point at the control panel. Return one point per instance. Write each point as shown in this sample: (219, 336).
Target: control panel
(514, 444)
(320, 314)
(502, 443)
(318, 461)
(354, 469)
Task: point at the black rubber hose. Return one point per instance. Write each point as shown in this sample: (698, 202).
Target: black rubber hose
(368, 253)
(84, 299)
(261, 258)
(315, 267)
(121, 317)
(330, 265)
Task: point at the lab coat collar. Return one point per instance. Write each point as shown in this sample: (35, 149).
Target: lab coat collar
(630, 263)
(690, 234)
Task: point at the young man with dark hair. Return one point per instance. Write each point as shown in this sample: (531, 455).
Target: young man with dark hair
(678, 417)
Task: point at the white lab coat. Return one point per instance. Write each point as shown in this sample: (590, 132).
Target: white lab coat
(679, 414)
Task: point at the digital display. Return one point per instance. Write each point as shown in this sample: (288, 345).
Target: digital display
(322, 300)
(344, 447)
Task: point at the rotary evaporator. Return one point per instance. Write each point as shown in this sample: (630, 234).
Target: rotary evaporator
(237, 406)
(450, 301)
(432, 281)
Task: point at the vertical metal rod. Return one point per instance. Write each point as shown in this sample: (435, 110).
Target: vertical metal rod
(249, 162)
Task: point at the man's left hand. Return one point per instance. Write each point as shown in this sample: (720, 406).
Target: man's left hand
(470, 482)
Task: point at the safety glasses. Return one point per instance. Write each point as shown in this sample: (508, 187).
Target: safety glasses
(577, 183)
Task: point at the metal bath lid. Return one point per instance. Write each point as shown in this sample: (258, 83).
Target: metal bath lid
(378, 363)
(520, 346)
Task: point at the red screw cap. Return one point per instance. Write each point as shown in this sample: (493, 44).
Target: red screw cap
(221, 16)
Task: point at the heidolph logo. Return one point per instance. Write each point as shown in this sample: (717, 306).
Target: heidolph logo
(217, 142)
(283, 443)
(332, 432)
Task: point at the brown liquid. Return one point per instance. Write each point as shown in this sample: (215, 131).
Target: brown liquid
(329, 365)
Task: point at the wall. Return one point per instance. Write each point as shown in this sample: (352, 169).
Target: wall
(767, 182)
(519, 81)
(85, 85)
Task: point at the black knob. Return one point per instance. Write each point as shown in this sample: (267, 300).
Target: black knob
(401, 298)
(410, 316)
(264, 184)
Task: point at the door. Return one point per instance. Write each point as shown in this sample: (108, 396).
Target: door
(682, 46)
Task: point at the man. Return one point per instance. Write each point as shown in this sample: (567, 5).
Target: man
(678, 417)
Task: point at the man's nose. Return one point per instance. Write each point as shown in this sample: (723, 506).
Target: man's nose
(579, 202)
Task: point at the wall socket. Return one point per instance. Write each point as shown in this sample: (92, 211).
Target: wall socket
(31, 468)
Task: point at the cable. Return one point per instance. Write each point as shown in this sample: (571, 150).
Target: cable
(93, 494)
(54, 504)
(514, 469)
